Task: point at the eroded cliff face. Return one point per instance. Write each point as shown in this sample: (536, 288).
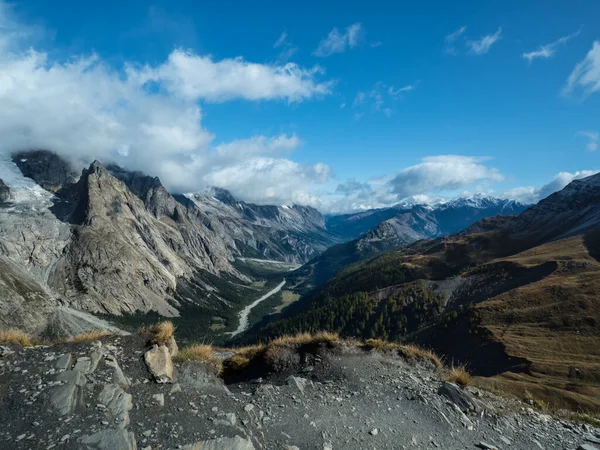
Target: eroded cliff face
(95, 245)
(293, 234)
(124, 258)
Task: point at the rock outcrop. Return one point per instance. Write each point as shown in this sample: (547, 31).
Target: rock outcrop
(159, 363)
(342, 397)
(4, 192)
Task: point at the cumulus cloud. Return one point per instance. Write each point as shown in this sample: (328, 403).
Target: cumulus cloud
(337, 42)
(199, 77)
(531, 194)
(423, 183)
(441, 173)
(483, 45)
(593, 138)
(585, 77)
(270, 180)
(149, 118)
(548, 50)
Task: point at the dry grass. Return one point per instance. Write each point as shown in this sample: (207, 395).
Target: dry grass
(381, 345)
(459, 375)
(89, 336)
(411, 351)
(408, 351)
(161, 332)
(242, 356)
(321, 337)
(200, 352)
(13, 336)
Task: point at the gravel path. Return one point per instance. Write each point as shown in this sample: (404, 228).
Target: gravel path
(100, 396)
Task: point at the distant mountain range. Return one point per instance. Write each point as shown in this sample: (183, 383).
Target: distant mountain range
(401, 225)
(112, 241)
(514, 297)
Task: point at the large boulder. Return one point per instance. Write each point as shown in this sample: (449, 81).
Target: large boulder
(236, 443)
(118, 403)
(159, 363)
(460, 398)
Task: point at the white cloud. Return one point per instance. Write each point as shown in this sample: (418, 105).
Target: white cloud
(442, 173)
(451, 38)
(149, 118)
(376, 44)
(409, 87)
(531, 194)
(197, 77)
(337, 42)
(593, 138)
(342, 106)
(281, 40)
(270, 180)
(483, 45)
(548, 50)
(287, 49)
(381, 95)
(586, 74)
(416, 184)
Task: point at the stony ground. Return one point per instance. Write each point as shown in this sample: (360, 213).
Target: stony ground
(102, 395)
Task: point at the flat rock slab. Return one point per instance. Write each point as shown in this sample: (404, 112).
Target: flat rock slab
(118, 402)
(236, 443)
(460, 397)
(110, 440)
(64, 362)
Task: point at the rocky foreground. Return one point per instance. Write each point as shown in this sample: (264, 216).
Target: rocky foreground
(124, 392)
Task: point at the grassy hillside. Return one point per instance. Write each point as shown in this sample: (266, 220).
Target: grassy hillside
(528, 317)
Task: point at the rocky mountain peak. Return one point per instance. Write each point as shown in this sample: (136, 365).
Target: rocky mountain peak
(46, 168)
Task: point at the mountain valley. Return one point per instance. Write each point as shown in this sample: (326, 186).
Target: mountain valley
(507, 291)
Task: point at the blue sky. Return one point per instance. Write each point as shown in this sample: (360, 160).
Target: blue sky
(338, 104)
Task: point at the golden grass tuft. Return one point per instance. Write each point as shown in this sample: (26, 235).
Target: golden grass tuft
(200, 352)
(320, 337)
(411, 351)
(408, 351)
(161, 332)
(14, 336)
(459, 375)
(242, 357)
(89, 336)
(381, 345)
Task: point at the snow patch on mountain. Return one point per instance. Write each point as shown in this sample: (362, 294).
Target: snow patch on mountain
(24, 190)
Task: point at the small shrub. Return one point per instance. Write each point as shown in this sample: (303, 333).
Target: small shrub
(199, 352)
(89, 336)
(459, 375)
(161, 332)
(14, 336)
